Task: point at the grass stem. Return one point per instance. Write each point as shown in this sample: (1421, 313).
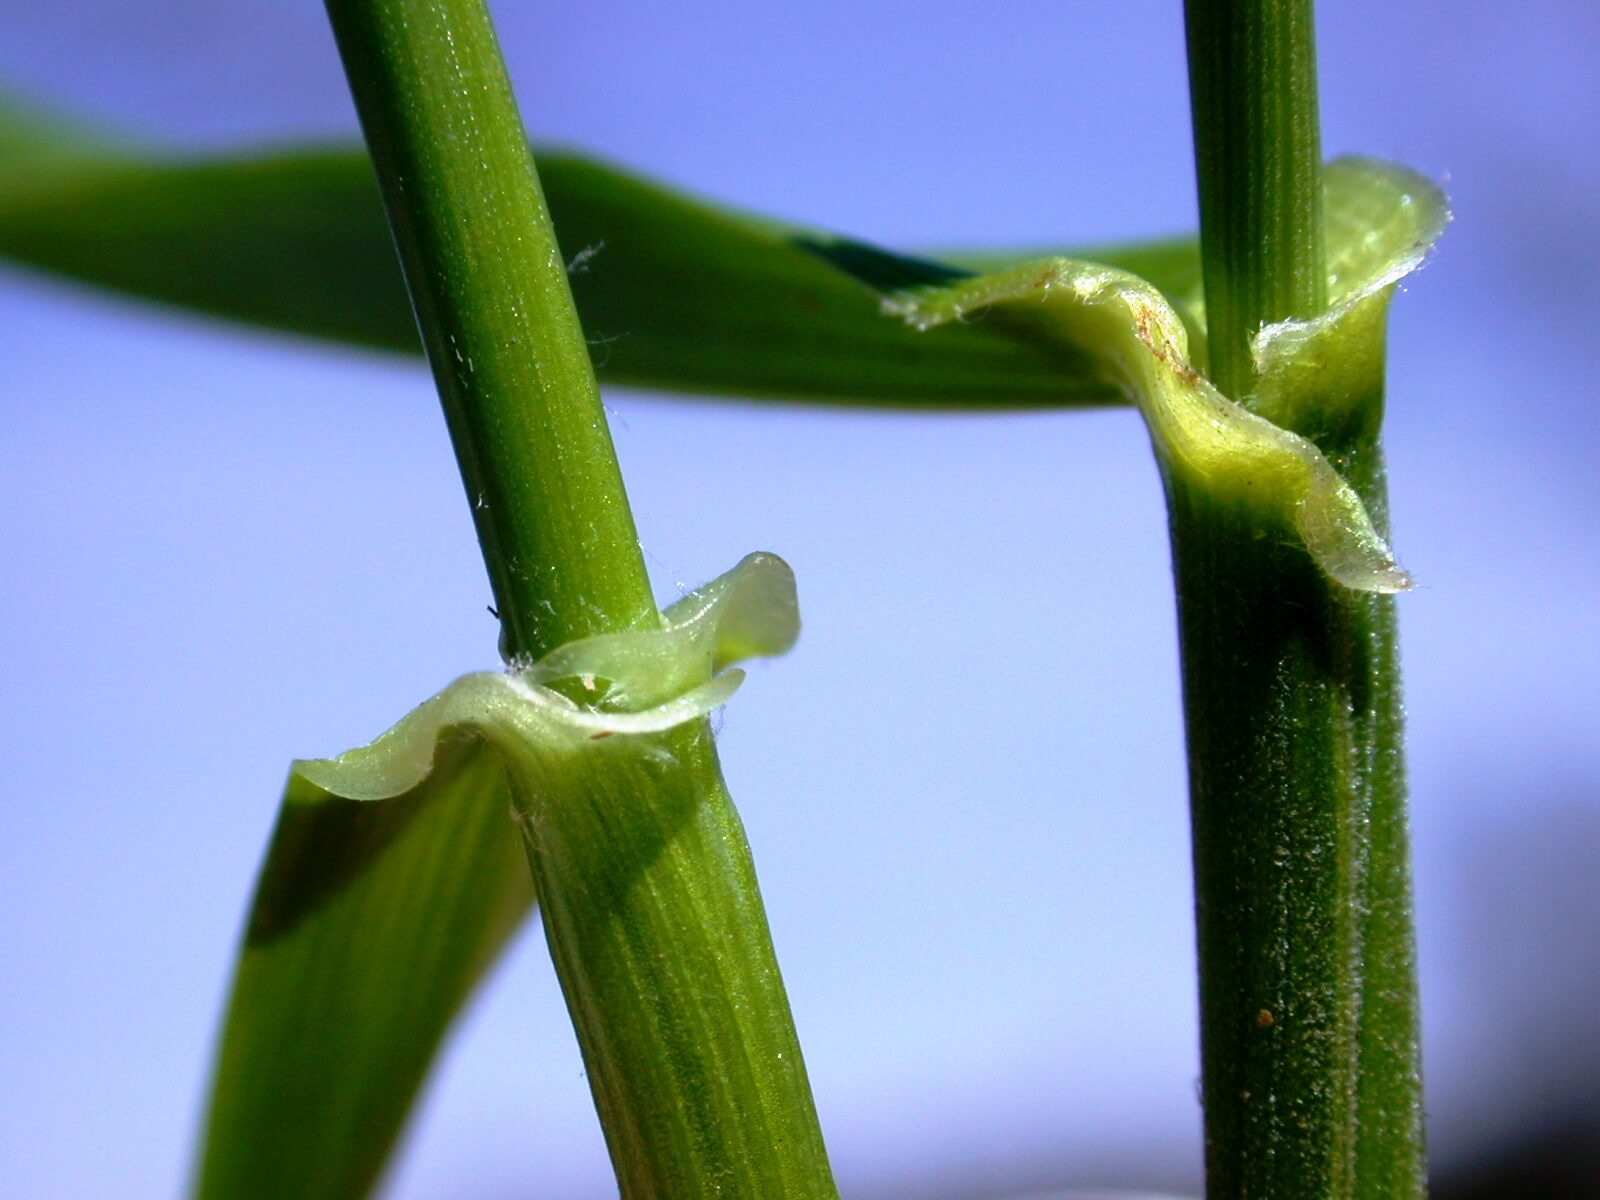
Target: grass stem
(490, 293)
(1258, 155)
(645, 883)
(1309, 1027)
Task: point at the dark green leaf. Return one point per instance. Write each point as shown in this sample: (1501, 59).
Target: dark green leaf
(372, 923)
(673, 293)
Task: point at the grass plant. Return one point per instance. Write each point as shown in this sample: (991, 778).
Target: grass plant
(585, 776)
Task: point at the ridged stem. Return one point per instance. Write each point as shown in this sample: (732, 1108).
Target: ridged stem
(646, 887)
(1309, 1026)
(1258, 156)
(490, 293)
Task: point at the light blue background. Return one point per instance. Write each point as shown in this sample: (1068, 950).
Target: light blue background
(222, 550)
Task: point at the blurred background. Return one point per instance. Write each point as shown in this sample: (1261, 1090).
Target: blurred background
(965, 792)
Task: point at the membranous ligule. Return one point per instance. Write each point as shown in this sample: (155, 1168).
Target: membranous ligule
(1314, 374)
(639, 682)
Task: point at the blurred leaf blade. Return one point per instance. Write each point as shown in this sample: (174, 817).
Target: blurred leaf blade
(371, 925)
(41, 150)
(294, 242)
(684, 296)
(673, 293)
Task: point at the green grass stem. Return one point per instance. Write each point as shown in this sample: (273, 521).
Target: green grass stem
(489, 289)
(1258, 154)
(1309, 1023)
(644, 878)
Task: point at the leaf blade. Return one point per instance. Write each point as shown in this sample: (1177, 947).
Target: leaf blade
(673, 293)
(372, 925)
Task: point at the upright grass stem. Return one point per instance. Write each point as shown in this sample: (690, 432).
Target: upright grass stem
(1291, 689)
(1258, 154)
(645, 883)
(493, 305)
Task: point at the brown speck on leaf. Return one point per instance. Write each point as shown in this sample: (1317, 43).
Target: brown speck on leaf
(604, 733)
(1264, 1019)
